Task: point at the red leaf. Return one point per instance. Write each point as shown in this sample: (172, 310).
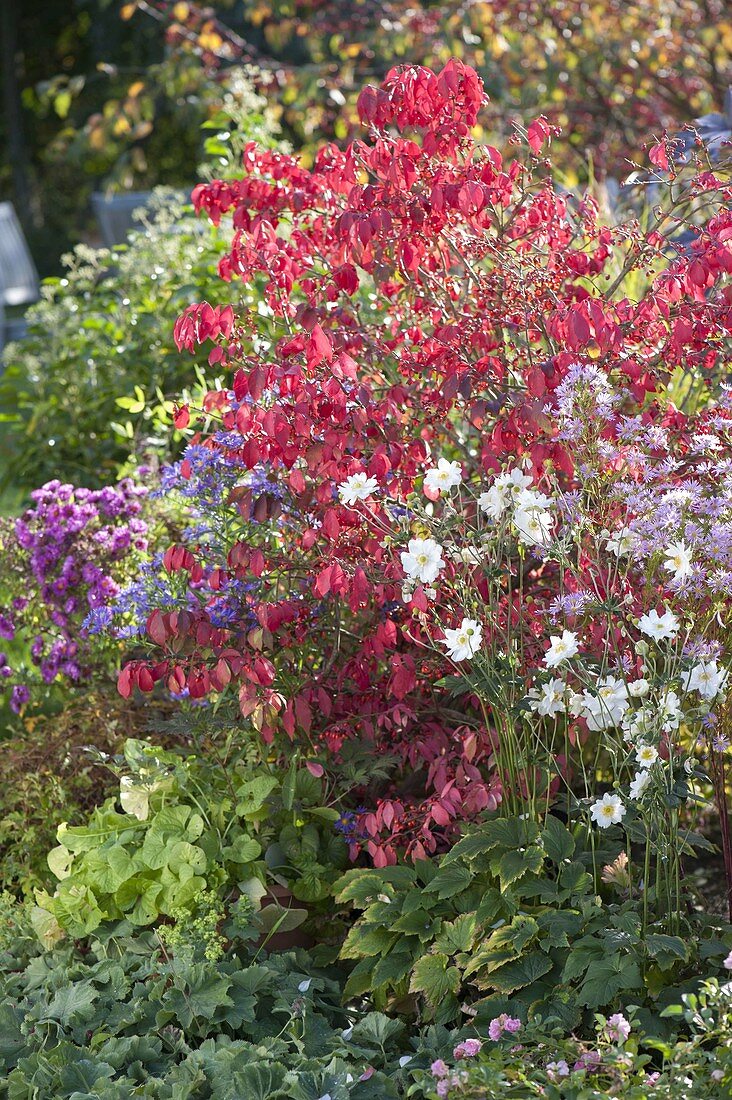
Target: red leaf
(657, 155)
(319, 348)
(538, 132)
(124, 682)
(156, 628)
(440, 814)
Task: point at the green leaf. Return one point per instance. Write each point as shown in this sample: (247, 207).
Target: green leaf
(513, 865)
(244, 849)
(559, 926)
(666, 949)
(275, 918)
(46, 927)
(451, 879)
(507, 833)
(606, 978)
(434, 977)
(182, 894)
(417, 923)
(503, 945)
(392, 968)
(360, 887)
(183, 854)
(73, 1003)
(557, 840)
(517, 974)
(584, 952)
(325, 813)
(573, 879)
(59, 860)
(12, 1041)
(84, 1075)
(362, 941)
(457, 935)
(377, 1030)
(256, 1082)
(289, 785)
(252, 796)
(200, 998)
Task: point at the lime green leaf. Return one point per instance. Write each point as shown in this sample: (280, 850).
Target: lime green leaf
(457, 935)
(433, 977)
(243, 850)
(59, 860)
(46, 927)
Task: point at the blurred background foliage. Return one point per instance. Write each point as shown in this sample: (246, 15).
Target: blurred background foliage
(99, 95)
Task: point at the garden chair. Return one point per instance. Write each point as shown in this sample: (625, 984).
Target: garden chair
(19, 284)
(115, 214)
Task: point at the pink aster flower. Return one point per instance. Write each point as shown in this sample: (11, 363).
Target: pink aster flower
(495, 1029)
(468, 1049)
(504, 1022)
(618, 1028)
(590, 1061)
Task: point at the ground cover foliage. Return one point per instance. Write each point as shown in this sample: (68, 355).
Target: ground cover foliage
(427, 622)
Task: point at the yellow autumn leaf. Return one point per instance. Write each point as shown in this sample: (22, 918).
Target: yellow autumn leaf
(46, 927)
(210, 40)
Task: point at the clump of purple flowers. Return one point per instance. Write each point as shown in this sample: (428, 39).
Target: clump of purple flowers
(61, 564)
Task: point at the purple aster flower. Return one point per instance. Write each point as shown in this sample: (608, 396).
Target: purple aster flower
(19, 697)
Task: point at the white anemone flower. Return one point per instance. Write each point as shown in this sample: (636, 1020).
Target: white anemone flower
(548, 700)
(534, 526)
(514, 481)
(670, 710)
(561, 648)
(646, 755)
(639, 783)
(659, 627)
(639, 724)
(606, 708)
(620, 542)
(465, 641)
(422, 560)
(707, 678)
(494, 501)
(444, 476)
(357, 487)
(528, 499)
(608, 810)
(678, 560)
